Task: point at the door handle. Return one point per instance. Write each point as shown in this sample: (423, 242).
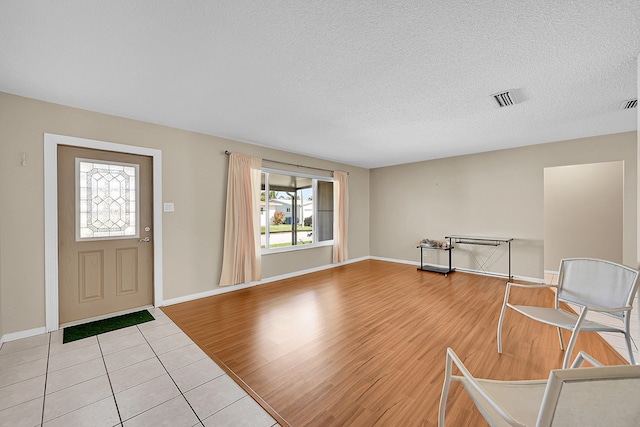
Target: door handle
(146, 239)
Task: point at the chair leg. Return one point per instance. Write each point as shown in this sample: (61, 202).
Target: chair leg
(567, 354)
(445, 392)
(501, 320)
(574, 337)
(561, 338)
(627, 338)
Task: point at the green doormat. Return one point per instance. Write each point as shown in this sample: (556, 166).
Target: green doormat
(79, 332)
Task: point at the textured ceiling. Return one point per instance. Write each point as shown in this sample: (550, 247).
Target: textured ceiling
(367, 83)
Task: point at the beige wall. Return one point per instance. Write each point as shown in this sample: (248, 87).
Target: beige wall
(194, 179)
(583, 211)
(1, 310)
(497, 193)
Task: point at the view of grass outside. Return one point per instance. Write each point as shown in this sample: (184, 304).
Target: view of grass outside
(284, 228)
(282, 245)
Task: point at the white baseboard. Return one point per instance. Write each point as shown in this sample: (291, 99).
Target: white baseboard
(232, 288)
(465, 270)
(502, 275)
(218, 291)
(226, 289)
(398, 261)
(22, 334)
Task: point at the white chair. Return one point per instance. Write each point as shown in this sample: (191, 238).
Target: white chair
(593, 285)
(598, 396)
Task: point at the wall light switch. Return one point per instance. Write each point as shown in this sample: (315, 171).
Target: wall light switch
(168, 207)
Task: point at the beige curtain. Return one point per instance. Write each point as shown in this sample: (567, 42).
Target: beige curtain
(340, 215)
(241, 254)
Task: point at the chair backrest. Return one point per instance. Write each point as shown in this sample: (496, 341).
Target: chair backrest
(606, 396)
(597, 283)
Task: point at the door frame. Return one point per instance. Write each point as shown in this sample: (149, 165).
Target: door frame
(51, 142)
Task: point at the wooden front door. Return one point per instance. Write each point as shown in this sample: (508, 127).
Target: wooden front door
(105, 215)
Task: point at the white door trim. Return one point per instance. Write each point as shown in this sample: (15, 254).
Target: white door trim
(51, 142)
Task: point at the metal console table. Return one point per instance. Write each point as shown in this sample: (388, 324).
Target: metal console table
(433, 268)
(483, 241)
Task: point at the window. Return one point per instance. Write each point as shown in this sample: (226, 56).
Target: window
(106, 200)
(296, 211)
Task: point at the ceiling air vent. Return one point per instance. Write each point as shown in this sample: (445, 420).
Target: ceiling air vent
(504, 99)
(628, 104)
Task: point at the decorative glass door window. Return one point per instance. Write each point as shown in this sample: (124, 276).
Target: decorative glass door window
(106, 200)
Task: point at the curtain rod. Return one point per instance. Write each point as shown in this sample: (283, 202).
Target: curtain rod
(227, 152)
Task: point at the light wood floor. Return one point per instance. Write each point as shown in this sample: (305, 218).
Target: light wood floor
(364, 344)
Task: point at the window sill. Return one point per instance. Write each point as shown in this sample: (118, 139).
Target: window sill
(265, 251)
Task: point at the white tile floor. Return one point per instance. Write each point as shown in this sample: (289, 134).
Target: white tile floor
(151, 374)
(616, 340)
